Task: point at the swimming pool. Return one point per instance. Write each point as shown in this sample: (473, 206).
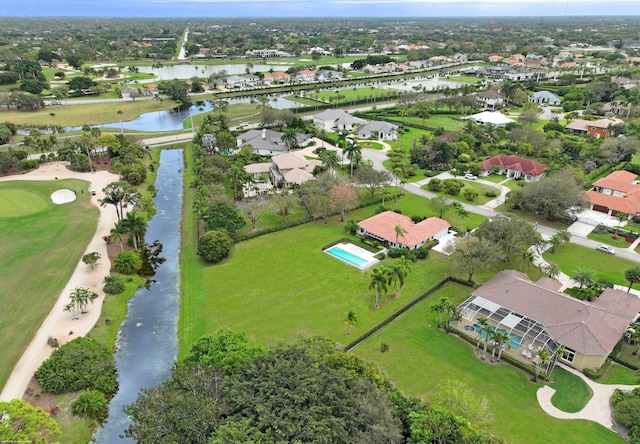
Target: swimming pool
(515, 342)
(352, 255)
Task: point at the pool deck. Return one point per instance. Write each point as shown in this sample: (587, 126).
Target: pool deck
(359, 252)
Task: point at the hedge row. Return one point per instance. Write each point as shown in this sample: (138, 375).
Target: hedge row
(597, 374)
(351, 345)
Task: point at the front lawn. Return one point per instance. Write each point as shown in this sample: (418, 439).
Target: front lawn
(421, 356)
(606, 238)
(619, 374)
(571, 257)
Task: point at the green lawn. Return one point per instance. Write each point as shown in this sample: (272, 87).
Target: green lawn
(531, 217)
(605, 238)
(572, 393)
(420, 356)
(571, 257)
(40, 252)
(619, 374)
(370, 145)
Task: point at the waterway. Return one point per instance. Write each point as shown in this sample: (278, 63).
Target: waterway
(147, 340)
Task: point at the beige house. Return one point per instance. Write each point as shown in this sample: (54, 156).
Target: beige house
(382, 227)
(537, 315)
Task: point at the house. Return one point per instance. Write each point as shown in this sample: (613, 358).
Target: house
(266, 142)
(149, 89)
(284, 169)
(595, 128)
(619, 192)
(490, 118)
(336, 119)
(382, 227)
(514, 167)
(616, 109)
(490, 99)
(545, 97)
(306, 75)
(129, 93)
(276, 77)
(379, 130)
(536, 315)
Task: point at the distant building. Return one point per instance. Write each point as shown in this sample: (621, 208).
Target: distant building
(514, 167)
(267, 142)
(382, 227)
(490, 118)
(595, 128)
(545, 97)
(336, 119)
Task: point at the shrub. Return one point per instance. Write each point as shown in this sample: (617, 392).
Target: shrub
(435, 185)
(470, 194)
(384, 347)
(28, 164)
(127, 262)
(351, 227)
(113, 284)
(452, 187)
(90, 404)
(214, 246)
(627, 411)
(491, 193)
(80, 364)
(417, 219)
(379, 256)
(421, 253)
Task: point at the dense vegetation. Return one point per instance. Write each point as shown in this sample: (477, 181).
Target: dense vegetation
(230, 391)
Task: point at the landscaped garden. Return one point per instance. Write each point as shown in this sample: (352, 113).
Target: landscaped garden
(46, 244)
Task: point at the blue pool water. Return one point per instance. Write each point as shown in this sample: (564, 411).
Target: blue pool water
(346, 256)
(516, 341)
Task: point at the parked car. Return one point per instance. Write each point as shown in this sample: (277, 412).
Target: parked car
(92, 191)
(470, 176)
(606, 249)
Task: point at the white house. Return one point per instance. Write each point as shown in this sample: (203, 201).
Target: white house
(379, 130)
(490, 118)
(336, 119)
(545, 97)
(267, 142)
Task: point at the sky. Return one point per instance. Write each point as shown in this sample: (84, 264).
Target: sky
(317, 8)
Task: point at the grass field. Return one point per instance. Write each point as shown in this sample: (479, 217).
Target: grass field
(420, 356)
(89, 114)
(618, 374)
(39, 258)
(571, 257)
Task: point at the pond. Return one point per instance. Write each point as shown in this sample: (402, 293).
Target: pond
(147, 343)
(172, 120)
(187, 71)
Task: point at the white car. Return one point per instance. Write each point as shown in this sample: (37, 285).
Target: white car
(92, 191)
(606, 249)
(470, 176)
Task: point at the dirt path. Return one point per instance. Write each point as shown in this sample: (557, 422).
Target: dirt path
(59, 323)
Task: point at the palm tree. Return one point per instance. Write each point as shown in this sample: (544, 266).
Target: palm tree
(397, 274)
(551, 270)
(119, 113)
(405, 263)
(135, 225)
(543, 358)
(502, 340)
(437, 309)
(621, 216)
(508, 88)
(557, 353)
(453, 315)
(117, 233)
(330, 160)
(289, 138)
(352, 150)
(488, 330)
(633, 276)
(400, 232)
(584, 277)
(350, 321)
(558, 239)
(378, 282)
(80, 297)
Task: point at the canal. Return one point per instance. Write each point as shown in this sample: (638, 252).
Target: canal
(147, 340)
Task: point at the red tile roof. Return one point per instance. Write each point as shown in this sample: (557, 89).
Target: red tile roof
(383, 225)
(618, 180)
(528, 167)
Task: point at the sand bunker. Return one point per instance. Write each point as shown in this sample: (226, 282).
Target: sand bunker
(63, 196)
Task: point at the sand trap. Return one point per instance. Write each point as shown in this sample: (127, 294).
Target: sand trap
(63, 196)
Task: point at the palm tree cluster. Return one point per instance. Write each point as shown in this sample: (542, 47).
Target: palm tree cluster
(382, 276)
(79, 298)
(447, 312)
